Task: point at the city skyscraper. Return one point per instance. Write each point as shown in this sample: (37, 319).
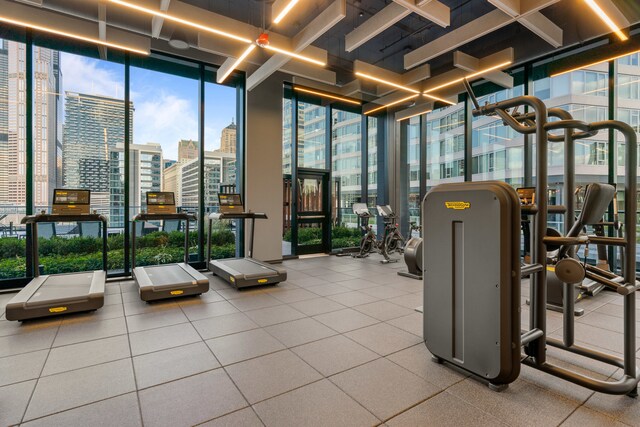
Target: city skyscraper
(46, 80)
(228, 139)
(94, 126)
(187, 150)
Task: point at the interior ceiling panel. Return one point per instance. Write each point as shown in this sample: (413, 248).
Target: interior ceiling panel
(387, 49)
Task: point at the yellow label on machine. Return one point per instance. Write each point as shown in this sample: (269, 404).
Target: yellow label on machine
(233, 279)
(262, 280)
(177, 292)
(459, 206)
(57, 309)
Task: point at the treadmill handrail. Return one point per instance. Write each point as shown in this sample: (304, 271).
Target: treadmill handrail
(144, 217)
(33, 220)
(238, 215)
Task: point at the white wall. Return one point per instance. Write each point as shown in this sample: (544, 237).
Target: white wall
(263, 167)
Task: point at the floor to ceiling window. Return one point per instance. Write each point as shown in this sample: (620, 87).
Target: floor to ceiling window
(13, 167)
(445, 145)
(164, 154)
(497, 149)
(413, 171)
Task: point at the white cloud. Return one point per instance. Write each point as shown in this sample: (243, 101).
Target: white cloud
(165, 119)
(86, 75)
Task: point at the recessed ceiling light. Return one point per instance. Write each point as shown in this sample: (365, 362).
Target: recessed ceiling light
(386, 82)
(391, 104)
(327, 95)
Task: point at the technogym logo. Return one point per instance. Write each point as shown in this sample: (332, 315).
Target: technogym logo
(459, 206)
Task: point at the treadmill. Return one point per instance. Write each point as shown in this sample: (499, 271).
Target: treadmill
(56, 294)
(169, 280)
(241, 272)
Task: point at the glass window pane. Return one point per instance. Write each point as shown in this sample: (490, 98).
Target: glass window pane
(346, 151)
(311, 136)
(413, 172)
(12, 159)
(445, 145)
(79, 132)
(164, 156)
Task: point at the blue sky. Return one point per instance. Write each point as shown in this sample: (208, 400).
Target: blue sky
(166, 106)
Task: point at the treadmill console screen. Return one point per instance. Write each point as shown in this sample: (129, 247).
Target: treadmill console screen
(161, 202)
(71, 202)
(230, 203)
(527, 195)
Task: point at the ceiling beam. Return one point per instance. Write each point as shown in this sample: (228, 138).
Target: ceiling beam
(419, 108)
(316, 28)
(157, 21)
(102, 27)
(311, 72)
(71, 24)
(471, 64)
(433, 10)
(460, 36)
(375, 25)
(542, 26)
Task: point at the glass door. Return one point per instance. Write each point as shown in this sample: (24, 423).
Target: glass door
(313, 217)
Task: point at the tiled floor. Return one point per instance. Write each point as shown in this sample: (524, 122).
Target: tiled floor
(337, 344)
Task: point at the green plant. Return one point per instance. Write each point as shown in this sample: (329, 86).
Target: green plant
(11, 247)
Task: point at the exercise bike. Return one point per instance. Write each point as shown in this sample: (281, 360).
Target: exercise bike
(392, 240)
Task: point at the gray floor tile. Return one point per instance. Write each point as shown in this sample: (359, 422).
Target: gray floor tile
(13, 401)
(137, 306)
(171, 364)
(312, 307)
(307, 281)
(121, 411)
(81, 355)
(113, 298)
(14, 328)
(299, 332)
(162, 338)
(384, 292)
(345, 320)
(203, 311)
(592, 335)
(224, 325)
(273, 315)
(352, 298)
(68, 390)
(211, 296)
(383, 339)
(255, 301)
(26, 342)
(158, 319)
(87, 331)
(270, 375)
(356, 284)
(328, 289)
(334, 354)
(407, 285)
(409, 301)
(585, 417)
(244, 417)
(623, 408)
(112, 288)
(294, 295)
(318, 272)
(444, 410)
(384, 388)
(191, 400)
(522, 403)
(417, 359)
(383, 310)
(21, 367)
(336, 277)
(230, 292)
(317, 404)
(244, 345)
(412, 323)
(605, 321)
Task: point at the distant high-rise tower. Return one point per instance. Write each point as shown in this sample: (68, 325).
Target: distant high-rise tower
(93, 126)
(13, 144)
(187, 150)
(228, 139)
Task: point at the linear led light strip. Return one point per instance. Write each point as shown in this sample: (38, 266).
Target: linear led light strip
(326, 95)
(238, 61)
(71, 35)
(397, 86)
(180, 20)
(605, 18)
(613, 58)
(470, 76)
(284, 12)
(213, 30)
(390, 104)
(413, 115)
